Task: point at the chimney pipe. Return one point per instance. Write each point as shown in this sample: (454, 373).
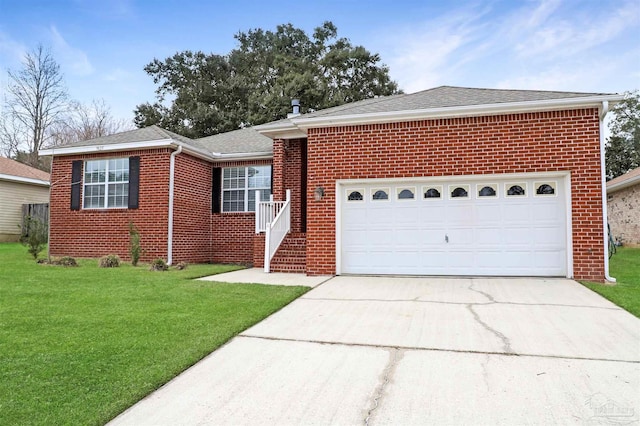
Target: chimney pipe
(295, 103)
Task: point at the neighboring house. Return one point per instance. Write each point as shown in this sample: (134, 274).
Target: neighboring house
(623, 205)
(447, 181)
(19, 184)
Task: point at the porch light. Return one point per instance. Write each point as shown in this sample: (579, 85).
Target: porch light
(318, 193)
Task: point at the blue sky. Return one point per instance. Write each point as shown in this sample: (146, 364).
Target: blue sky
(103, 45)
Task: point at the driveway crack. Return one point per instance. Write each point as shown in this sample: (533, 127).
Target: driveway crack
(506, 343)
(395, 355)
(485, 294)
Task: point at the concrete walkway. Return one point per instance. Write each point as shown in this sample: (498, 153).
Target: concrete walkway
(258, 276)
(371, 350)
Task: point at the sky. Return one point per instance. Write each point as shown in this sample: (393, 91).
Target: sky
(102, 46)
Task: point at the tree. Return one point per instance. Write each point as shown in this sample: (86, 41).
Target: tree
(36, 100)
(623, 146)
(84, 122)
(256, 81)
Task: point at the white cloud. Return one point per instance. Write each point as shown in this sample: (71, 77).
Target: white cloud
(70, 57)
(117, 74)
(10, 49)
(546, 44)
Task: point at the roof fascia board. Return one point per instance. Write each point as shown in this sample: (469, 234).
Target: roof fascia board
(289, 131)
(624, 184)
(21, 179)
(267, 155)
(126, 146)
(458, 111)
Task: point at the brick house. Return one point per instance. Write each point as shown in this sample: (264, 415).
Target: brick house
(623, 206)
(447, 181)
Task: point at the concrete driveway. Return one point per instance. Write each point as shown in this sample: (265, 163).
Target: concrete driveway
(373, 350)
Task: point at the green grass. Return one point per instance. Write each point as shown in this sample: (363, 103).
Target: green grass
(80, 345)
(625, 267)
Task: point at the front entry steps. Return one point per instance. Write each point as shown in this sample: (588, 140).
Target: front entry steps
(292, 254)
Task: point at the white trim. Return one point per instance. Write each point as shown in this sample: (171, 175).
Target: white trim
(172, 168)
(127, 146)
(265, 155)
(624, 184)
(603, 182)
(21, 179)
(456, 178)
(105, 184)
(247, 189)
(569, 216)
(338, 219)
(297, 127)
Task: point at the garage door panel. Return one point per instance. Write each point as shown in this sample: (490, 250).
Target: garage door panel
(493, 235)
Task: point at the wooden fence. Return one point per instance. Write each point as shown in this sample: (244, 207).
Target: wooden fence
(35, 211)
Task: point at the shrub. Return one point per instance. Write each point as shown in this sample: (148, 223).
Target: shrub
(34, 236)
(66, 261)
(134, 244)
(110, 261)
(158, 265)
(181, 265)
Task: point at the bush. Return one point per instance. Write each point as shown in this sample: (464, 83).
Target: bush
(110, 261)
(63, 261)
(35, 235)
(134, 244)
(158, 265)
(181, 265)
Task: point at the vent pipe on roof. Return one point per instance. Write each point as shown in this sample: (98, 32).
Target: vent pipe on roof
(295, 105)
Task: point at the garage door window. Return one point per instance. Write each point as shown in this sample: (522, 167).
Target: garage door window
(485, 191)
(380, 194)
(546, 188)
(432, 191)
(459, 191)
(516, 190)
(406, 193)
(355, 195)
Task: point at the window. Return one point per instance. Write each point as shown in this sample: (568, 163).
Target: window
(516, 190)
(487, 190)
(432, 192)
(406, 193)
(106, 183)
(380, 194)
(460, 191)
(545, 188)
(355, 195)
(239, 186)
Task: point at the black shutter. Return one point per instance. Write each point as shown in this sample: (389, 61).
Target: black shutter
(271, 189)
(134, 181)
(76, 183)
(216, 184)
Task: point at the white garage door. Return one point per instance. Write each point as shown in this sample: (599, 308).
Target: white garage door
(477, 226)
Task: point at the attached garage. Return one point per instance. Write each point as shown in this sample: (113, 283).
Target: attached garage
(499, 225)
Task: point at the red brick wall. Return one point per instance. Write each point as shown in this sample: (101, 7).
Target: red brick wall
(232, 234)
(515, 143)
(292, 163)
(192, 210)
(94, 233)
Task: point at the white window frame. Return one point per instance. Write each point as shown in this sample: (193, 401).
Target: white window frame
(105, 184)
(246, 189)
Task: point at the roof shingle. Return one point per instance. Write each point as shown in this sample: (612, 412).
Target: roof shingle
(13, 168)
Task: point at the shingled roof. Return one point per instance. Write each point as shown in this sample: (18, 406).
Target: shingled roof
(238, 141)
(12, 169)
(626, 180)
(443, 97)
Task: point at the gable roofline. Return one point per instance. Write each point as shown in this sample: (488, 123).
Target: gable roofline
(20, 179)
(297, 127)
(127, 146)
(624, 181)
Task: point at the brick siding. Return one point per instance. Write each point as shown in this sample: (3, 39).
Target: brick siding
(513, 143)
(95, 233)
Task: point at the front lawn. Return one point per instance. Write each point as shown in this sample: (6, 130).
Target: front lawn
(625, 267)
(80, 345)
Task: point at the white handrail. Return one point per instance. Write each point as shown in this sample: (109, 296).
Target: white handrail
(276, 231)
(266, 212)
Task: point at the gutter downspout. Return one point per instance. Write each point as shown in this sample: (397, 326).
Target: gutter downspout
(605, 220)
(172, 166)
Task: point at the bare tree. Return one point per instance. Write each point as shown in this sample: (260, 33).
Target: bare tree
(36, 99)
(86, 121)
